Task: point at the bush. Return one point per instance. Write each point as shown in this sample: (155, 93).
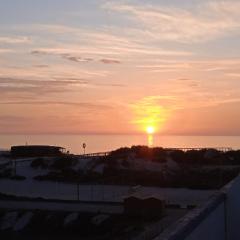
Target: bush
(63, 163)
(18, 177)
(39, 163)
(6, 173)
(120, 153)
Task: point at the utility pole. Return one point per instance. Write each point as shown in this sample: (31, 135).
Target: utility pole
(15, 167)
(78, 191)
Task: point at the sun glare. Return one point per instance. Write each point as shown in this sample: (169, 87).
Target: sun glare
(150, 129)
(150, 115)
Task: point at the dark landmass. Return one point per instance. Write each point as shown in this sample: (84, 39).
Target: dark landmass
(197, 169)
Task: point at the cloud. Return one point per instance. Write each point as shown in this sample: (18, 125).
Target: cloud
(234, 75)
(76, 59)
(33, 87)
(5, 50)
(105, 41)
(213, 65)
(206, 21)
(41, 66)
(73, 58)
(109, 84)
(62, 53)
(167, 66)
(8, 81)
(10, 121)
(109, 61)
(68, 103)
(188, 82)
(15, 40)
(38, 52)
(41, 87)
(11, 118)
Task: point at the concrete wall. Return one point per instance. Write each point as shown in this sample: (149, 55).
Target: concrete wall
(212, 228)
(217, 219)
(232, 201)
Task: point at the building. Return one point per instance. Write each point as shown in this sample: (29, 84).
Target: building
(143, 206)
(36, 151)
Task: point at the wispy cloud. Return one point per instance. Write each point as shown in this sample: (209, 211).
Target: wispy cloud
(213, 65)
(15, 40)
(234, 74)
(205, 22)
(5, 119)
(73, 58)
(67, 103)
(5, 50)
(41, 66)
(109, 61)
(44, 87)
(76, 59)
(34, 87)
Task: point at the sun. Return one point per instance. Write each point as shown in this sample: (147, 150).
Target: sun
(150, 129)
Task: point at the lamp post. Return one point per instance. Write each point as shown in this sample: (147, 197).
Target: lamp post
(84, 147)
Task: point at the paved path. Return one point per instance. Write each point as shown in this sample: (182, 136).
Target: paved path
(59, 206)
(108, 193)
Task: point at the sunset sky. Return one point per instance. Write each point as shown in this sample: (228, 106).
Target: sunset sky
(97, 66)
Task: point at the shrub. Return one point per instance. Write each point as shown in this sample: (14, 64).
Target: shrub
(18, 177)
(39, 162)
(63, 163)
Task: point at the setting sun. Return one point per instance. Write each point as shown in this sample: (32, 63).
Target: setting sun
(150, 129)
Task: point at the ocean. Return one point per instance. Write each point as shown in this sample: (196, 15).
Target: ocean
(102, 143)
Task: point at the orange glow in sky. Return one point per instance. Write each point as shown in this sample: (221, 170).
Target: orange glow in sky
(149, 115)
(120, 67)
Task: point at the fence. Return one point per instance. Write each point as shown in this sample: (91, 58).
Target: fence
(104, 154)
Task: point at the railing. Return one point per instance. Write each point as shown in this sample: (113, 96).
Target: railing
(221, 149)
(98, 154)
(104, 154)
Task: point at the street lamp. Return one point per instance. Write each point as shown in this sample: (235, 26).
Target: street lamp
(84, 147)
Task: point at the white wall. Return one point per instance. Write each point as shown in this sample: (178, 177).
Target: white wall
(218, 219)
(224, 222)
(212, 228)
(233, 210)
